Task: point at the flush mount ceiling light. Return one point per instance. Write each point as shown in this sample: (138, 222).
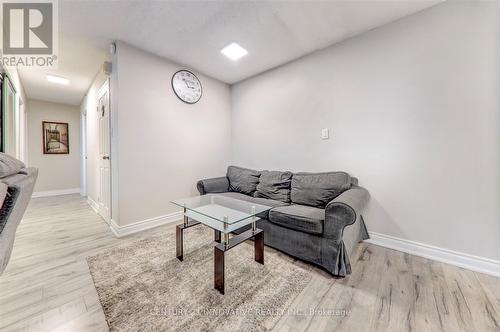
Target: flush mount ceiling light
(234, 51)
(57, 79)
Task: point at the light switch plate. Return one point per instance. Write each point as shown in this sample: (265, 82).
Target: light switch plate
(325, 133)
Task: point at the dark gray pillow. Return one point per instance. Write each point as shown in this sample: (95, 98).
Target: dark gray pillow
(242, 180)
(9, 165)
(274, 185)
(318, 189)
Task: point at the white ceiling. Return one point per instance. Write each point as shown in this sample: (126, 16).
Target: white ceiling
(193, 33)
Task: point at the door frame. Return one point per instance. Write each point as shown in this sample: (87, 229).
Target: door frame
(22, 131)
(9, 129)
(105, 87)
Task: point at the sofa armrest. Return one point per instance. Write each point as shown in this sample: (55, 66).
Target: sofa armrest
(213, 185)
(344, 210)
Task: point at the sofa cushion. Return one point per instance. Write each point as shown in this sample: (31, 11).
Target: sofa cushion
(274, 185)
(9, 165)
(256, 200)
(317, 189)
(242, 180)
(302, 218)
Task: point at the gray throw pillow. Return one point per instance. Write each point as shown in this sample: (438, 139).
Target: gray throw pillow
(318, 189)
(242, 180)
(9, 165)
(274, 185)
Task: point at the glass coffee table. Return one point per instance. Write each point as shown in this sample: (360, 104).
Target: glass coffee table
(224, 215)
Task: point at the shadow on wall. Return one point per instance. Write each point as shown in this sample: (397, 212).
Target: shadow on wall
(375, 212)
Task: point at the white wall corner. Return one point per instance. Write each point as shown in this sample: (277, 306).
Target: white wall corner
(93, 204)
(466, 261)
(121, 231)
(114, 228)
(60, 192)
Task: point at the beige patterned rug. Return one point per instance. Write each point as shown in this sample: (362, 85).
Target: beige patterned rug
(143, 287)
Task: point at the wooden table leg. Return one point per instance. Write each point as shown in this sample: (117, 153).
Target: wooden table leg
(179, 236)
(259, 247)
(219, 269)
(221, 248)
(216, 235)
(179, 242)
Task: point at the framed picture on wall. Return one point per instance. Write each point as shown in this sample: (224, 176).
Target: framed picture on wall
(55, 137)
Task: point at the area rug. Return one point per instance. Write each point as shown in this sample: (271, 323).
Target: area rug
(143, 287)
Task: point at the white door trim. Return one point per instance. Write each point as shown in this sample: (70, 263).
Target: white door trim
(104, 87)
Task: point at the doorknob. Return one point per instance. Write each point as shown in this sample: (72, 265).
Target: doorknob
(105, 157)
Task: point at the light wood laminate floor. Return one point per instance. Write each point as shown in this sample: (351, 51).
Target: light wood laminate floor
(47, 285)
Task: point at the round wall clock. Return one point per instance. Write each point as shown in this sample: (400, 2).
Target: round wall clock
(187, 86)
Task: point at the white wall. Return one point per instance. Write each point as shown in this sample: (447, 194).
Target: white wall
(55, 172)
(162, 145)
(413, 112)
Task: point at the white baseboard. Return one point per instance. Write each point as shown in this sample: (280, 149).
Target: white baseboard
(93, 204)
(56, 192)
(121, 231)
(466, 261)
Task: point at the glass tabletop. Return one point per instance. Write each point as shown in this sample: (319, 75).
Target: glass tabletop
(219, 208)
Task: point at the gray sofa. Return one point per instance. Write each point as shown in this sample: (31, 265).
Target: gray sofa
(16, 187)
(316, 217)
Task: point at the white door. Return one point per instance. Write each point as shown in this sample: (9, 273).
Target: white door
(104, 153)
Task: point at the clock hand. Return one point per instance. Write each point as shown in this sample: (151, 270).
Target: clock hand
(187, 84)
